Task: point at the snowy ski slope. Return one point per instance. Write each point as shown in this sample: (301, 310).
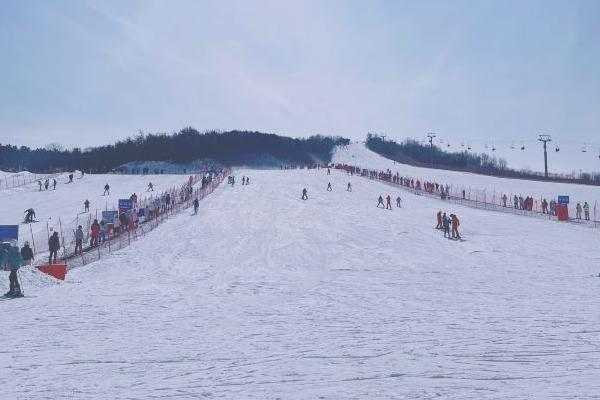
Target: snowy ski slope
(358, 154)
(66, 202)
(265, 296)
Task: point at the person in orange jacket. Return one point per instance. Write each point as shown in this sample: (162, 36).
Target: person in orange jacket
(439, 220)
(455, 224)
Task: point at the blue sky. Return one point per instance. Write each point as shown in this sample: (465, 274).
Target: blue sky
(83, 73)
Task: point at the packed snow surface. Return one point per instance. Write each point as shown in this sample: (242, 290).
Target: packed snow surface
(359, 155)
(265, 296)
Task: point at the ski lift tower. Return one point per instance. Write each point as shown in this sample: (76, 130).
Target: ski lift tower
(431, 136)
(545, 139)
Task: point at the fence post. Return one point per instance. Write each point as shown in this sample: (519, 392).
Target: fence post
(33, 240)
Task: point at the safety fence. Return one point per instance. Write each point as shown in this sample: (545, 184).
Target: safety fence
(11, 181)
(478, 198)
(158, 208)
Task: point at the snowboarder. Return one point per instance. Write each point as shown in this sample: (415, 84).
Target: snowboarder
(196, 205)
(439, 220)
(380, 201)
(53, 246)
(53, 184)
(106, 190)
(388, 202)
(586, 211)
(26, 254)
(398, 202)
(329, 188)
(349, 189)
(446, 225)
(79, 240)
(29, 215)
(304, 194)
(86, 205)
(13, 261)
(150, 187)
(455, 224)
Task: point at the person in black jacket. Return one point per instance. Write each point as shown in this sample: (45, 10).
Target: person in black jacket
(27, 254)
(53, 246)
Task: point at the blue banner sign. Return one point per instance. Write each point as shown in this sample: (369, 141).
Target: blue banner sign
(9, 232)
(109, 216)
(563, 199)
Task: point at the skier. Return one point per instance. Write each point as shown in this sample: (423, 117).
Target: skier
(304, 194)
(388, 202)
(53, 184)
(329, 188)
(13, 261)
(446, 224)
(86, 205)
(150, 187)
(439, 220)
(196, 205)
(398, 202)
(455, 224)
(106, 190)
(586, 210)
(29, 215)
(26, 254)
(349, 189)
(53, 246)
(578, 211)
(380, 201)
(79, 240)
(95, 228)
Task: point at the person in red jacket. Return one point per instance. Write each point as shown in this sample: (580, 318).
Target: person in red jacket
(95, 233)
(455, 224)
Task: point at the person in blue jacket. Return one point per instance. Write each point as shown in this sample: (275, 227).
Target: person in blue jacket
(13, 261)
(446, 224)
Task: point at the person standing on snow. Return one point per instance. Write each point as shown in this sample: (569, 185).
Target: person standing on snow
(102, 231)
(79, 240)
(86, 205)
(53, 184)
(26, 254)
(243, 180)
(439, 220)
(150, 187)
(380, 201)
(70, 178)
(328, 171)
(329, 188)
(586, 211)
(247, 181)
(196, 205)
(106, 190)
(455, 224)
(46, 184)
(349, 189)
(398, 202)
(95, 228)
(388, 202)
(304, 194)
(40, 183)
(578, 211)
(53, 246)
(446, 225)
(13, 260)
